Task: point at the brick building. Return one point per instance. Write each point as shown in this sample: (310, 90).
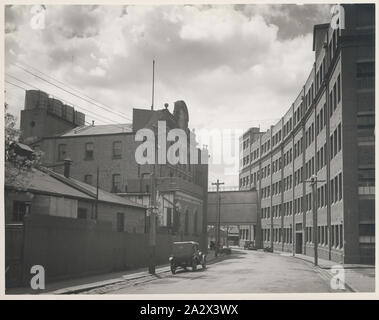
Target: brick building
(110, 151)
(328, 131)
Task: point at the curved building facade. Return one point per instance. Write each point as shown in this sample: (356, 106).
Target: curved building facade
(328, 132)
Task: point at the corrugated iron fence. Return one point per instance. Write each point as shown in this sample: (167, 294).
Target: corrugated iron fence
(69, 248)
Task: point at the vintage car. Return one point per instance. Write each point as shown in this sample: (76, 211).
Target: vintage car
(249, 245)
(186, 254)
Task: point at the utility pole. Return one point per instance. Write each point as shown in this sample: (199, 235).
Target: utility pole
(152, 224)
(217, 184)
(97, 193)
(152, 93)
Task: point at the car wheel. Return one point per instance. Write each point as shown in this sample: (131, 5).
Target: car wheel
(194, 265)
(204, 263)
(173, 269)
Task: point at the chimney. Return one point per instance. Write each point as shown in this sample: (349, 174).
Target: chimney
(67, 165)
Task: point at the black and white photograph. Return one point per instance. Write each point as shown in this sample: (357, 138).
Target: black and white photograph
(189, 149)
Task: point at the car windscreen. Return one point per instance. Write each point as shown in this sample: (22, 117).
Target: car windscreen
(183, 248)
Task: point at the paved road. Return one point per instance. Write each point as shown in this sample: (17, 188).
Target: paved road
(242, 272)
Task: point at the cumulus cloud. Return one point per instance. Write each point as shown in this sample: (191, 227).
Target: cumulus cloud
(236, 66)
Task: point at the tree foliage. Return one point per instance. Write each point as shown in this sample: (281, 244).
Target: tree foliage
(18, 167)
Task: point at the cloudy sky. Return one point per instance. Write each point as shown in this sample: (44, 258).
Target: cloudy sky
(236, 66)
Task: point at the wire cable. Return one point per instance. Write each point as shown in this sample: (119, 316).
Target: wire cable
(67, 91)
(90, 113)
(110, 109)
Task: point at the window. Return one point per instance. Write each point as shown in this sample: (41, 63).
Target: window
(322, 196)
(88, 179)
(310, 234)
(332, 191)
(321, 118)
(116, 150)
(61, 152)
(340, 186)
(322, 235)
(322, 157)
(116, 183)
(332, 238)
(82, 213)
(120, 222)
(336, 188)
(339, 137)
(20, 210)
(88, 151)
(365, 75)
(186, 222)
(195, 223)
(339, 88)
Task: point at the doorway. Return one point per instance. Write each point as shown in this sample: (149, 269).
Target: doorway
(299, 242)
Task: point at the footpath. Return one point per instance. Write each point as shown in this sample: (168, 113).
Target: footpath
(79, 285)
(356, 277)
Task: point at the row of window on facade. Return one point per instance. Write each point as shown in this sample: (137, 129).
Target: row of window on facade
(287, 128)
(285, 235)
(309, 139)
(279, 235)
(89, 151)
(320, 73)
(335, 147)
(245, 144)
(334, 96)
(323, 235)
(335, 195)
(321, 119)
(116, 182)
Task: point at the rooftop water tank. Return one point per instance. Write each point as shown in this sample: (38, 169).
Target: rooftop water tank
(36, 99)
(79, 118)
(55, 106)
(68, 113)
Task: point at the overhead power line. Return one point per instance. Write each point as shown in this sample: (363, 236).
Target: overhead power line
(69, 92)
(72, 88)
(83, 94)
(22, 88)
(90, 113)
